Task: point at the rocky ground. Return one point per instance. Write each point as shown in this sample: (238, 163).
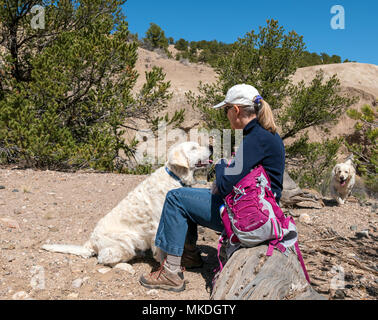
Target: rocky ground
(38, 207)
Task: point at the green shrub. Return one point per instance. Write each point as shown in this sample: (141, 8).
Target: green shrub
(66, 90)
(363, 144)
(155, 38)
(267, 60)
(313, 162)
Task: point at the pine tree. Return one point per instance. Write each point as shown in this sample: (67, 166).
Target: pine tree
(66, 89)
(155, 37)
(267, 60)
(364, 144)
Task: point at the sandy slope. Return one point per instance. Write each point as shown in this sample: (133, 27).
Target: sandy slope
(357, 79)
(360, 76)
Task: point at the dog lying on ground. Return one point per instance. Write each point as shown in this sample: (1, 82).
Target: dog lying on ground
(131, 226)
(342, 181)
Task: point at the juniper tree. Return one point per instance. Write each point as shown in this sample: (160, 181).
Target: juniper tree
(155, 37)
(66, 90)
(363, 143)
(267, 60)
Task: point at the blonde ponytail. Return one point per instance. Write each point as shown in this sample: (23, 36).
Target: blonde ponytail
(266, 118)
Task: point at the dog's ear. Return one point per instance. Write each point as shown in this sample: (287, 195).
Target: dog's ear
(336, 167)
(178, 159)
(352, 171)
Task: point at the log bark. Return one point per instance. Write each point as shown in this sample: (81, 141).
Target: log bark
(250, 275)
(293, 195)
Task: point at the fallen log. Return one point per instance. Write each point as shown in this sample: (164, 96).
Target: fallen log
(250, 275)
(292, 195)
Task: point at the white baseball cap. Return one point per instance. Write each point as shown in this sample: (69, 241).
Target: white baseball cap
(242, 94)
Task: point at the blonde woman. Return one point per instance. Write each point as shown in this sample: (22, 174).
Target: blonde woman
(246, 110)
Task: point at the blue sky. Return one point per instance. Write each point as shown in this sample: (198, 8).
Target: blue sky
(225, 21)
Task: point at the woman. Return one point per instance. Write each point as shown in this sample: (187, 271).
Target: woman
(185, 207)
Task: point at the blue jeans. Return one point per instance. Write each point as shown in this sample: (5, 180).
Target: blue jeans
(182, 207)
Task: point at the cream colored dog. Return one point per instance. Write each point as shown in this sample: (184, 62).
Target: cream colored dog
(342, 182)
(131, 226)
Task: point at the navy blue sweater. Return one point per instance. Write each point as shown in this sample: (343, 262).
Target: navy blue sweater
(259, 147)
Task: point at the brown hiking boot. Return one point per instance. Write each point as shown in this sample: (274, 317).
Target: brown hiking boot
(164, 279)
(191, 258)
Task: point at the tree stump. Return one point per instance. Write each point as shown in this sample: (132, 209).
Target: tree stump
(293, 195)
(250, 275)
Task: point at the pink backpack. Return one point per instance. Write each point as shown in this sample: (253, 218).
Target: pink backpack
(251, 216)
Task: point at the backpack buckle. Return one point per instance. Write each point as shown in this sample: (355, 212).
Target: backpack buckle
(238, 193)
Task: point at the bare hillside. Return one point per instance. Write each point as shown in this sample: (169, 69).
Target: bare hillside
(359, 76)
(183, 76)
(356, 79)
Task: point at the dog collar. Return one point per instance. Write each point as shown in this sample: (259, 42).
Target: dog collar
(175, 177)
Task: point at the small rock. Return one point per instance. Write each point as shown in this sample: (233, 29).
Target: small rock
(10, 223)
(125, 267)
(77, 283)
(53, 229)
(362, 234)
(15, 190)
(304, 218)
(17, 211)
(309, 204)
(2, 187)
(339, 294)
(73, 295)
(21, 295)
(294, 214)
(152, 292)
(104, 270)
(353, 228)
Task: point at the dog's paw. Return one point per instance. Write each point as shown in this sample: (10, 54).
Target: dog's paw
(109, 256)
(340, 201)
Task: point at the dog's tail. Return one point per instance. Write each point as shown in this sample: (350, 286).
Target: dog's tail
(350, 159)
(68, 248)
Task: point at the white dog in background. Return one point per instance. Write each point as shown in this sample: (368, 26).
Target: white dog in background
(342, 182)
(131, 226)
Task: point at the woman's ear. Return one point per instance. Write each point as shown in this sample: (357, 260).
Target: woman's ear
(237, 110)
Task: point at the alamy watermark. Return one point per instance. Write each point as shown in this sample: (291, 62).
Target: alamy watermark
(338, 280)
(153, 146)
(38, 20)
(37, 281)
(338, 20)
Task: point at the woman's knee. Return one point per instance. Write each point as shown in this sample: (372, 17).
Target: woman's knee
(172, 196)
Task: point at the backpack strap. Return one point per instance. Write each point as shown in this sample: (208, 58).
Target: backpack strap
(275, 244)
(300, 258)
(218, 270)
(220, 242)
